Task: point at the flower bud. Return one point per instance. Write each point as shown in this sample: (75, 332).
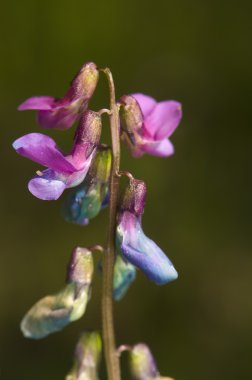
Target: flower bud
(124, 275)
(86, 201)
(142, 363)
(52, 313)
(87, 357)
(81, 267)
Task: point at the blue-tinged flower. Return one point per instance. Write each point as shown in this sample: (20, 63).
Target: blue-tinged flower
(124, 275)
(87, 199)
(63, 171)
(134, 245)
(87, 357)
(148, 124)
(52, 313)
(62, 113)
(143, 365)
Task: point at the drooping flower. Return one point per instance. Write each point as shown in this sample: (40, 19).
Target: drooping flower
(124, 275)
(142, 364)
(148, 124)
(63, 171)
(52, 313)
(62, 113)
(87, 199)
(87, 357)
(133, 244)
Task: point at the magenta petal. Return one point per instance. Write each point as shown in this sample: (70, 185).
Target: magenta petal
(145, 102)
(163, 148)
(37, 103)
(46, 189)
(164, 119)
(43, 150)
(59, 118)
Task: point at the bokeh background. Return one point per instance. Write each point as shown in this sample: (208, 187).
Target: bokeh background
(199, 200)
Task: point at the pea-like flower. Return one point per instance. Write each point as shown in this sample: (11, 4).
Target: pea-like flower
(133, 244)
(87, 199)
(52, 313)
(148, 124)
(63, 171)
(62, 113)
(143, 365)
(87, 357)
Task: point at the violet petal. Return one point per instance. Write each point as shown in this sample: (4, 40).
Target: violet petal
(43, 150)
(37, 103)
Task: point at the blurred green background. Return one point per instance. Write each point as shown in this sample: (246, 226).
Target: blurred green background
(199, 200)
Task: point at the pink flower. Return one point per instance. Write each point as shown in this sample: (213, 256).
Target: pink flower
(63, 171)
(62, 113)
(148, 124)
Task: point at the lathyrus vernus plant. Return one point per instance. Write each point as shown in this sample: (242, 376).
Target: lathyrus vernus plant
(93, 170)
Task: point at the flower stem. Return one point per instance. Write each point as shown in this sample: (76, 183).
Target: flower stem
(111, 357)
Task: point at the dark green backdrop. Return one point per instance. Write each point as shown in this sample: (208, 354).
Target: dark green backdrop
(199, 201)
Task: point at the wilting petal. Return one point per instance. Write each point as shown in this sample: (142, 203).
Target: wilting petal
(142, 252)
(164, 119)
(163, 148)
(37, 103)
(43, 150)
(146, 103)
(52, 313)
(124, 275)
(87, 357)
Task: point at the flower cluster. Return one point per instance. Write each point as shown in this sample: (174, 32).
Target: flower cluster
(89, 167)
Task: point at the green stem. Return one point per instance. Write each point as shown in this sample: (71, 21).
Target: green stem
(111, 357)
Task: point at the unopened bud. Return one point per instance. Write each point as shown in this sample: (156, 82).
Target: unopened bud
(87, 358)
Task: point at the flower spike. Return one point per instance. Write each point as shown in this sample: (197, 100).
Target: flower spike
(62, 113)
(87, 357)
(142, 364)
(87, 199)
(63, 171)
(134, 245)
(52, 313)
(147, 124)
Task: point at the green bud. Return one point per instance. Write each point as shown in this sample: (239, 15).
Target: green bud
(87, 358)
(52, 313)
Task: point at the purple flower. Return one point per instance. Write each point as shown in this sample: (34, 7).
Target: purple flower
(147, 124)
(134, 245)
(62, 113)
(63, 171)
